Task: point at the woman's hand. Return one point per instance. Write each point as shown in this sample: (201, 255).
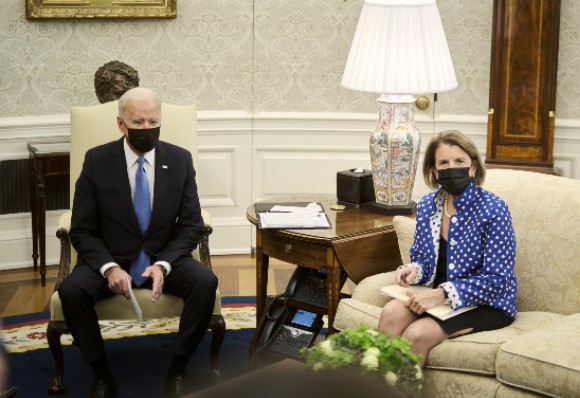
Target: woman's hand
(421, 302)
(405, 274)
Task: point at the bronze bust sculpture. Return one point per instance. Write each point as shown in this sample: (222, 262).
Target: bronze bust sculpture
(113, 79)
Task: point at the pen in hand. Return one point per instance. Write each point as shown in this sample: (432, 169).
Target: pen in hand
(403, 274)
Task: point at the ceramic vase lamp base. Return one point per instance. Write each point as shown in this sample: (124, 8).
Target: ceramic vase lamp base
(394, 147)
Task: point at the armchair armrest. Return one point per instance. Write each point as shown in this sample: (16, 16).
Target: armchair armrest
(204, 254)
(66, 251)
(62, 234)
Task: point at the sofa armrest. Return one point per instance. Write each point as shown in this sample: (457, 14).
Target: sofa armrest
(369, 289)
(543, 360)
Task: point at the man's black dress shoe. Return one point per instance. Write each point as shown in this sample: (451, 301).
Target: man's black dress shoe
(9, 392)
(102, 389)
(173, 387)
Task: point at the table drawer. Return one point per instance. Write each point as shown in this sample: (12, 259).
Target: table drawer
(295, 251)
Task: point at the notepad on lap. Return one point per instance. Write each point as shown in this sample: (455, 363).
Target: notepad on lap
(443, 311)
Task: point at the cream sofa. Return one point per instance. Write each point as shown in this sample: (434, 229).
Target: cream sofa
(539, 354)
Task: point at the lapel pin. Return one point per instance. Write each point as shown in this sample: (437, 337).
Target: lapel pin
(164, 167)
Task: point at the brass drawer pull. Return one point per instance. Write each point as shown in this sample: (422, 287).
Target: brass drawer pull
(288, 248)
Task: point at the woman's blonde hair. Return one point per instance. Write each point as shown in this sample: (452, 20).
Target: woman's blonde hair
(451, 137)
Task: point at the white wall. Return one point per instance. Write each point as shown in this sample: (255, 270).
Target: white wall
(265, 76)
(243, 158)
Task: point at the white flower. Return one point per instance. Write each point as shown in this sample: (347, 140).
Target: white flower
(318, 366)
(370, 362)
(391, 378)
(418, 372)
(372, 332)
(374, 351)
(326, 347)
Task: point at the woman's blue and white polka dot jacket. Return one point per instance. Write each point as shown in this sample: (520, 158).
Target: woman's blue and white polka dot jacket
(481, 249)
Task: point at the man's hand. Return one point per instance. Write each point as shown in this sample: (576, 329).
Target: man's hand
(421, 302)
(118, 278)
(155, 272)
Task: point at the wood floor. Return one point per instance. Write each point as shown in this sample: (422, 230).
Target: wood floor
(21, 293)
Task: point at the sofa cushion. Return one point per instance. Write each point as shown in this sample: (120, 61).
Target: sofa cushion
(369, 289)
(547, 231)
(544, 360)
(477, 352)
(366, 304)
(353, 313)
(442, 383)
(119, 308)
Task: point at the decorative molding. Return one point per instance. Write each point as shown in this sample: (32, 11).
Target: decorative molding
(227, 198)
(241, 140)
(567, 165)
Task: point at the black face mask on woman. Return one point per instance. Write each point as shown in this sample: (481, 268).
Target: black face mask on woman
(143, 140)
(454, 180)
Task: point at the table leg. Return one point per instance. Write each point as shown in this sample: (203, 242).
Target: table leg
(262, 265)
(33, 213)
(333, 278)
(41, 220)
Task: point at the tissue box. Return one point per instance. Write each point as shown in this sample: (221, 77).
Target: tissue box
(354, 189)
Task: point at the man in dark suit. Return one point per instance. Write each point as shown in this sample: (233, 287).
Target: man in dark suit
(119, 224)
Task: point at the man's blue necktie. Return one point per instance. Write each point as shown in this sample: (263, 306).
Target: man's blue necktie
(142, 204)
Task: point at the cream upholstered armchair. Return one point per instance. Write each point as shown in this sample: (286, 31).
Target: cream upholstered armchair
(92, 126)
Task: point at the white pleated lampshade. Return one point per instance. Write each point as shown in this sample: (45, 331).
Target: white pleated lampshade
(399, 47)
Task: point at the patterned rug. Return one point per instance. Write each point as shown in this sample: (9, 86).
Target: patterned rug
(21, 334)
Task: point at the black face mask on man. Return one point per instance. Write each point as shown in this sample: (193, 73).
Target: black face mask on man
(454, 180)
(143, 140)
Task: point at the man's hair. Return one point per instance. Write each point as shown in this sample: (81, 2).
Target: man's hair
(136, 94)
(113, 79)
(451, 137)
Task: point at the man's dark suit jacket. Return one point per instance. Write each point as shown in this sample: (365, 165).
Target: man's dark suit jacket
(104, 225)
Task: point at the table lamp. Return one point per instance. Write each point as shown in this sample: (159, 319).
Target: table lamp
(399, 50)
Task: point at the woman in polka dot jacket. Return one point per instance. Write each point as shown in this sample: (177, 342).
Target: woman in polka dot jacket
(464, 249)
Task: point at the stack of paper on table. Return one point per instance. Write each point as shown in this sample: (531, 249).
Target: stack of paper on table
(442, 311)
(292, 216)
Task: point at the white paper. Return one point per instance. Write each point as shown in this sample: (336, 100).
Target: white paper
(309, 208)
(133, 299)
(294, 220)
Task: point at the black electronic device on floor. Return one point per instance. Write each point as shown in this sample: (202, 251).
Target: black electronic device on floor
(310, 286)
(289, 330)
(294, 319)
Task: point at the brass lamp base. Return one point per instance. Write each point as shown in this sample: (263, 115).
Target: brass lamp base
(391, 210)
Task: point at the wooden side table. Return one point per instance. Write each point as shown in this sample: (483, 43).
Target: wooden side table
(360, 242)
(46, 159)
